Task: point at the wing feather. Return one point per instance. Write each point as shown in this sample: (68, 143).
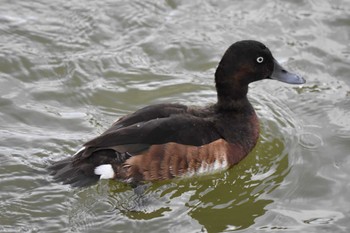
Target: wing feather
(154, 124)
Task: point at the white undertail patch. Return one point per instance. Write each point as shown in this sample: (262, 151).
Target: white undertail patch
(105, 171)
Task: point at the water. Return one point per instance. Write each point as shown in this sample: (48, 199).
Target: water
(68, 69)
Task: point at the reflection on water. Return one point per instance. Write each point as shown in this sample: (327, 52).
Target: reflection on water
(68, 69)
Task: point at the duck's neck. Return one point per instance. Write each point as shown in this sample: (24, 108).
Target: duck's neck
(232, 88)
(232, 97)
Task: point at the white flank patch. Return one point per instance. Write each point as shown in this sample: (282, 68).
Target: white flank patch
(217, 166)
(205, 168)
(80, 150)
(105, 171)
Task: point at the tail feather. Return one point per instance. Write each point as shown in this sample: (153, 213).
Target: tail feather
(64, 171)
(83, 173)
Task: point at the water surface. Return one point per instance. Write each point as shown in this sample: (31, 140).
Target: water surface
(68, 69)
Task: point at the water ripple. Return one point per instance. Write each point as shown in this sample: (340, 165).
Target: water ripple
(68, 69)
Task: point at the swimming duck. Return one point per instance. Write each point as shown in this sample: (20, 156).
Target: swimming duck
(169, 140)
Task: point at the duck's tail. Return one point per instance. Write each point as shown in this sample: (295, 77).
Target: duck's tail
(101, 165)
(67, 172)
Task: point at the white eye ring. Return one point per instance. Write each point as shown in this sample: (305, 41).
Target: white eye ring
(260, 59)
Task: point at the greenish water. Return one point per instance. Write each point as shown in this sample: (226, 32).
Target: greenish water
(68, 69)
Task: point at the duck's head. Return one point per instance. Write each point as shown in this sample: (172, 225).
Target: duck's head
(245, 62)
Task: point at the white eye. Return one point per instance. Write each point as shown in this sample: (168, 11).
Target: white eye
(260, 59)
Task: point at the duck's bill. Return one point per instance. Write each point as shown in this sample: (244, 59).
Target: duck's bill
(280, 74)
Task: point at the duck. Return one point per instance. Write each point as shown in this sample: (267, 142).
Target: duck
(172, 140)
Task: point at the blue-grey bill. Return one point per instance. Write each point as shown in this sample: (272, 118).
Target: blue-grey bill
(280, 74)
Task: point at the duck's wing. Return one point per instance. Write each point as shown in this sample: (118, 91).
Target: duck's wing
(181, 128)
(148, 113)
